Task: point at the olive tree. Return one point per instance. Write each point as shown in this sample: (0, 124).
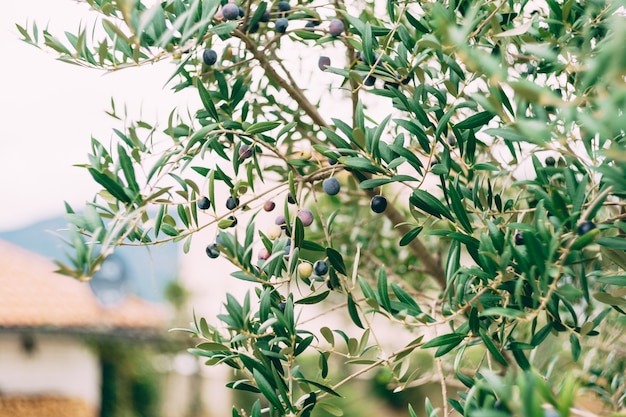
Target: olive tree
(458, 168)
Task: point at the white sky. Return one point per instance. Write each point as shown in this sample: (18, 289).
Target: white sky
(49, 110)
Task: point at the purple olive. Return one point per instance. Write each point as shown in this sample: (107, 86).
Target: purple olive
(306, 217)
(245, 151)
(336, 27)
(323, 63)
(269, 205)
(230, 11)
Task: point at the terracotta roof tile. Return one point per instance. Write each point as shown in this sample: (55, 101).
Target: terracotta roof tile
(32, 295)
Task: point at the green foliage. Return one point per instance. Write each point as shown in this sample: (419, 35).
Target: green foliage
(129, 384)
(478, 95)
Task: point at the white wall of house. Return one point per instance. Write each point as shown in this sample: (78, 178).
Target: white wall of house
(56, 365)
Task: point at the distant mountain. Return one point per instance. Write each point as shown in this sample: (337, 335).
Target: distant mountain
(142, 271)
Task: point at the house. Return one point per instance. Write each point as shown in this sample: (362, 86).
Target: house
(46, 368)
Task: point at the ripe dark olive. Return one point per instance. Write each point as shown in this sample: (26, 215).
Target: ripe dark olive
(204, 203)
(586, 227)
(265, 17)
(234, 219)
(519, 239)
(245, 151)
(281, 306)
(254, 28)
(269, 205)
(389, 85)
(336, 27)
(230, 11)
(281, 221)
(284, 6)
(288, 247)
(320, 268)
(331, 186)
(363, 58)
(378, 204)
(212, 251)
(323, 62)
(232, 202)
(290, 199)
(281, 25)
(209, 56)
(550, 161)
(369, 81)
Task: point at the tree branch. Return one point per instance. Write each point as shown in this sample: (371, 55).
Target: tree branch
(432, 266)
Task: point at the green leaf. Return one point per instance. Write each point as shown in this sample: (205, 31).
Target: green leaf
(169, 230)
(609, 299)
(268, 390)
(377, 182)
(383, 292)
(445, 339)
(207, 101)
(360, 164)
(428, 203)
(256, 407)
(323, 387)
(312, 246)
(459, 209)
(111, 186)
(298, 233)
(213, 346)
(353, 311)
(367, 43)
(224, 28)
(410, 235)
(258, 13)
(507, 134)
(575, 345)
(335, 139)
(492, 348)
(619, 280)
(406, 299)
(261, 127)
(503, 312)
(313, 299)
(336, 260)
(367, 290)
(306, 34)
(476, 120)
(127, 169)
(613, 242)
(328, 335)
(541, 335)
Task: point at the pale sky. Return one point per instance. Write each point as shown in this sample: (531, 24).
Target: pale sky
(49, 110)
